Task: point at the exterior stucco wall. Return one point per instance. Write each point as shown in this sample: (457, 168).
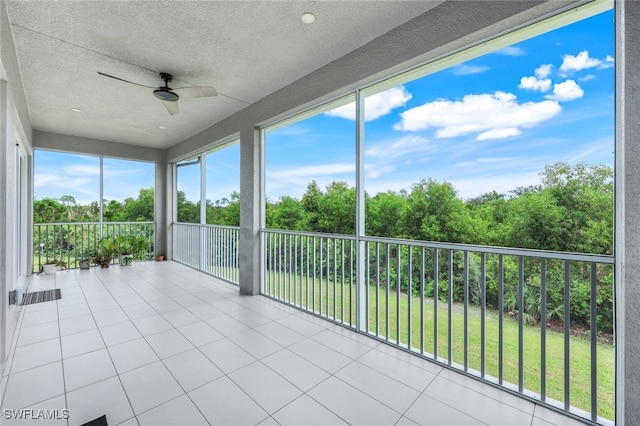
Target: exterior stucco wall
(628, 211)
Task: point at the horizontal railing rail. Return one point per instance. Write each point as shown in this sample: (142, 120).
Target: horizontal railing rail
(212, 249)
(71, 242)
(529, 321)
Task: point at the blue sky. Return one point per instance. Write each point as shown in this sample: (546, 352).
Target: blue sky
(491, 123)
(57, 174)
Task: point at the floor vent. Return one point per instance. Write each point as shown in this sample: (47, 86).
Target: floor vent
(41, 296)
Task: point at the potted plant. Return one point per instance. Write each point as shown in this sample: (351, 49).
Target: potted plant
(105, 251)
(123, 245)
(51, 266)
(131, 247)
(84, 261)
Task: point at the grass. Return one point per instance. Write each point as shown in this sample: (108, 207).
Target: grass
(338, 302)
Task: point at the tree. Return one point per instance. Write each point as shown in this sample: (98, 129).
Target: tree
(383, 213)
(70, 203)
(435, 213)
(48, 210)
(288, 214)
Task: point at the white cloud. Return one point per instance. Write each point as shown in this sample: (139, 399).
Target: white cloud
(566, 91)
(608, 62)
(376, 170)
(586, 78)
(469, 69)
(488, 160)
(310, 172)
(510, 51)
(499, 133)
(406, 145)
(532, 83)
(375, 106)
(579, 62)
(543, 71)
(493, 116)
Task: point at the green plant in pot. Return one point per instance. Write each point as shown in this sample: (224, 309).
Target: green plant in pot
(84, 261)
(131, 248)
(51, 266)
(105, 251)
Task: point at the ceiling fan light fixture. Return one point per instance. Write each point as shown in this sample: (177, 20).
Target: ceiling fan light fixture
(165, 95)
(308, 18)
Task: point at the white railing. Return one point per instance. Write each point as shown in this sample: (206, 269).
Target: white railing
(494, 313)
(72, 241)
(211, 249)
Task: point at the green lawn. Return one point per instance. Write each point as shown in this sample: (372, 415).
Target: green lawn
(322, 299)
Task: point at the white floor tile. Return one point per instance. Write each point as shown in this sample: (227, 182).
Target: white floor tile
(76, 324)
(119, 333)
(200, 333)
(306, 411)
(105, 397)
(177, 412)
(35, 355)
(152, 324)
(224, 403)
(81, 343)
(226, 355)
(297, 370)
(150, 386)
(86, 369)
(255, 343)
(140, 310)
(428, 411)
(266, 387)
(192, 369)
(22, 391)
(131, 355)
(40, 317)
(227, 325)
(352, 405)
(180, 317)
(110, 317)
(388, 391)
(320, 355)
(169, 343)
(475, 404)
(38, 333)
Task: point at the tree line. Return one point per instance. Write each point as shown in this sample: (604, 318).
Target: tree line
(570, 210)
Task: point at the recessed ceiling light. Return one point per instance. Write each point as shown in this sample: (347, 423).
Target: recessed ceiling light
(308, 18)
(162, 127)
(76, 110)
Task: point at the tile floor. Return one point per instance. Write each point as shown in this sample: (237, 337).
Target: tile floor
(161, 344)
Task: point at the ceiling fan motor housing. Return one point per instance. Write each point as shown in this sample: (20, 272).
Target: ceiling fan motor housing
(165, 94)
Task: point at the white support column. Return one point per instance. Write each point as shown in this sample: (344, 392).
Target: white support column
(362, 304)
(163, 207)
(204, 249)
(250, 210)
(627, 212)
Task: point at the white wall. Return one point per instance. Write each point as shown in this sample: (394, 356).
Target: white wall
(14, 117)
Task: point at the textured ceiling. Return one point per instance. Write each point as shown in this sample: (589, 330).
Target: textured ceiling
(245, 49)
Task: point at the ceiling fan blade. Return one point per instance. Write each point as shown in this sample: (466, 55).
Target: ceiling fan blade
(172, 107)
(126, 81)
(195, 92)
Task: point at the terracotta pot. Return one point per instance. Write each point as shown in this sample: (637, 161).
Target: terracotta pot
(159, 258)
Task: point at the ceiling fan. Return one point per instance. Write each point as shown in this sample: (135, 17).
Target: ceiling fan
(169, 96)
